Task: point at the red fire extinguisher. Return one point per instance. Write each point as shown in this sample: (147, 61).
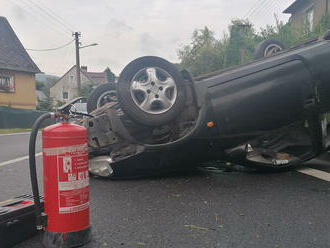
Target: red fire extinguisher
(66, 185)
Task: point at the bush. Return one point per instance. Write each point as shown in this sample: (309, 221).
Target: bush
(205, 53)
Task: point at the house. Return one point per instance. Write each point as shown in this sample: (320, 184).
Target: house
(17, 71)
(66, 87)
(307, 13)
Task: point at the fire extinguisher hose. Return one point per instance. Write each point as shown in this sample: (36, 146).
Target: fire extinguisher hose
(33, 171)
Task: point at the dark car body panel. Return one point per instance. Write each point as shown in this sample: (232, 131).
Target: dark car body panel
(266, 114)
(269, 93)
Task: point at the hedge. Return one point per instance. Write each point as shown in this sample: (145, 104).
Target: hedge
(20, 118)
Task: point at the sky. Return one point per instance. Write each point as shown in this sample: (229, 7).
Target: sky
(124, 29)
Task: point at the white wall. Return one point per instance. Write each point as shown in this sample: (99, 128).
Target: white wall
(67, 84)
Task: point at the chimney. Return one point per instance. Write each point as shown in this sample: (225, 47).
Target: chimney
(84, 68)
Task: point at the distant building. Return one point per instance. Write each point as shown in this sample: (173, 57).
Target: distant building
(307, 13)
(66, 87)
(17, 71)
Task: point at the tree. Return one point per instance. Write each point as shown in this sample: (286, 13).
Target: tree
(204, 54)
(45, 83)
(111, 77)
(241, 44)
(292, 36)
(45, 105)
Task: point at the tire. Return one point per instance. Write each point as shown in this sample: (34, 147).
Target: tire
(98, 96)
(268, 48)
(151, 91)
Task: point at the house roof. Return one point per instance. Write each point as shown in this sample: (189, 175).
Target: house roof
(58, 80)
(13, 55)
(96, 77)
(296, 5)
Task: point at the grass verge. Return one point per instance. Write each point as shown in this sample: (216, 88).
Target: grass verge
(14, 130)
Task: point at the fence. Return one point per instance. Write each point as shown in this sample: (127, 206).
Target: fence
(19, 118)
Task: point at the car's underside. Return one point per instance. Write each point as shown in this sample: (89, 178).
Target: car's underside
(270, 114)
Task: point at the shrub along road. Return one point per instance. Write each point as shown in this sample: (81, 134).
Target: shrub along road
(200, 209)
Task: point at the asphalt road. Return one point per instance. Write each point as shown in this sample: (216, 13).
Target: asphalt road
(197, 209)
(15, 145)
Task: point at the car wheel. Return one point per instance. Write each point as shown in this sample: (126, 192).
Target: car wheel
(151, 91)
(101, 95)
(268, 48)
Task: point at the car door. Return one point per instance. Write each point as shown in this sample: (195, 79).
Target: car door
(261, 96)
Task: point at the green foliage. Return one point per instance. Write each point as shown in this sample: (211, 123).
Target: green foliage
(86, 90)
(205, 53)
(286, 33)
(241, 43)
(322, 26)
(59, 104)
(45, 83)
(45, 105)
(111, 77)
(292, 36)
(42, 87)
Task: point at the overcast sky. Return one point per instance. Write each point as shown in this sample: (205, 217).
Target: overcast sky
(124, 29)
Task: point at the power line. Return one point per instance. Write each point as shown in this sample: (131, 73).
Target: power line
(271, 8)
(37, 17)
(46, 13)
(49, 49)
(60, 68)
(257, 8)
(260, 7)
(263, 8)
(254, 6)
(55, 15)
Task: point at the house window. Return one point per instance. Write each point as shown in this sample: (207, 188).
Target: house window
(309, 20)
(65, 95)
(71, 79)
(7, 83)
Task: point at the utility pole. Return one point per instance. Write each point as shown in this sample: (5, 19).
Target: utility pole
(77, 42)
(327, 7)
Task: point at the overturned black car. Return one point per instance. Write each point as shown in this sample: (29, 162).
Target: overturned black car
(269, 114)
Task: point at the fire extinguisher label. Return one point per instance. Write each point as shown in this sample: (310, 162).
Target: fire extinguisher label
(73, 181)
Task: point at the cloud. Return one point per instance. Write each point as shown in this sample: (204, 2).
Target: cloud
(125, 30)
(149, 45)
(18, 13)
(117, 28)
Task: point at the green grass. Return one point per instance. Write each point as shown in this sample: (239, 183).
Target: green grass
(14, 130)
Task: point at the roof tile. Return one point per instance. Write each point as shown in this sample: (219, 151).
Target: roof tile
(13, 55)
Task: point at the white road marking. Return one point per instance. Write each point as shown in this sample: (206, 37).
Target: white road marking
(18, 159)
(316, 173)
(10, 134)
